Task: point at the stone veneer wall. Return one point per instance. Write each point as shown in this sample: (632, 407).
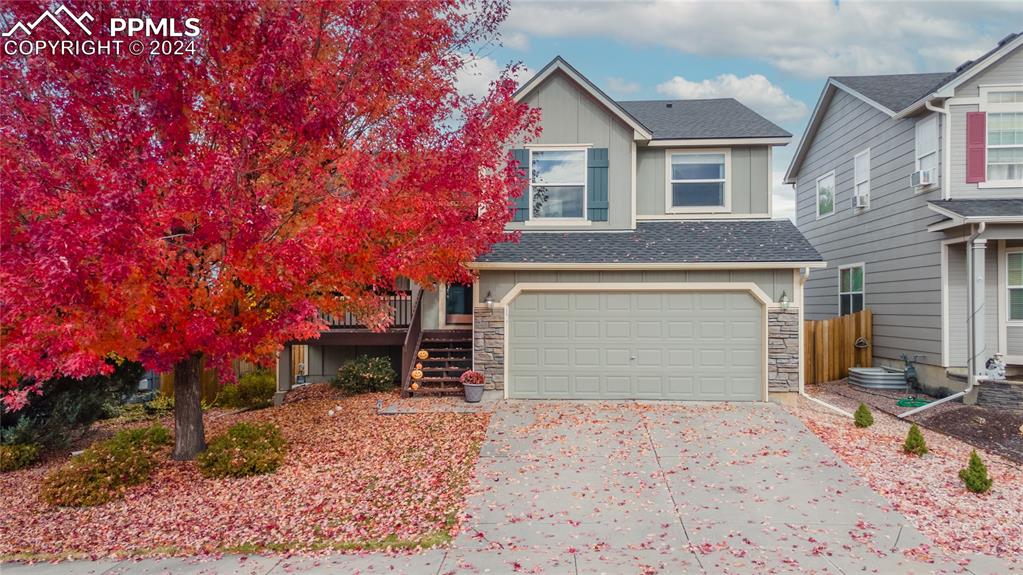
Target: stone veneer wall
(488, 345)
(782, 349)
(1000, 394)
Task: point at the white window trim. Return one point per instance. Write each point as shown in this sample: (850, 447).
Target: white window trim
(932, 118)
(989, 108)
(1005, 287)
(727, 207)
(862, 292)
(856, 182)
(817, 195)
(586, 192)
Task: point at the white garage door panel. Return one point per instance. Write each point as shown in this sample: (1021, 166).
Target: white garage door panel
(636, 345)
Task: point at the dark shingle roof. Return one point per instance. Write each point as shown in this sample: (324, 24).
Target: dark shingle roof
(894, 91)
(982, 208)
(699, 119)
(724, 241)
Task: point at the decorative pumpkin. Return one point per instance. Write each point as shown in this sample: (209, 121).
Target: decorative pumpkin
(423, 354)
(419, 366)
(415, 386)
(417, 374)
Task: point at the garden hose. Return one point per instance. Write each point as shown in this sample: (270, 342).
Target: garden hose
(911, 402)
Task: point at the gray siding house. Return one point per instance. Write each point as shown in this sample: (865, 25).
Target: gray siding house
(901, 180)
(647, 264)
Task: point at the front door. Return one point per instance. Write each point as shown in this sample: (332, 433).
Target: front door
(458, 304)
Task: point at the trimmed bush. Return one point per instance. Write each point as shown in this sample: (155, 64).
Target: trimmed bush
(160, 404)
(862, 417)
(365, 374)
(106, 470)
(915, 443)
(246, 449)
(254, 389)
(14, 457)
(975, 475)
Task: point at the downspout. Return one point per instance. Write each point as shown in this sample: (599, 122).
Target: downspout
(804, 274)
(946, 149)
(971, 361)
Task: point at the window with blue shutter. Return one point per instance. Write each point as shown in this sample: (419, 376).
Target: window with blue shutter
(596, 184)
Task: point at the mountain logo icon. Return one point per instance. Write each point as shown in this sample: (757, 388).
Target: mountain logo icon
(53, 17)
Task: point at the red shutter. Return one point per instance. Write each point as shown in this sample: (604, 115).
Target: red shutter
(976, 139)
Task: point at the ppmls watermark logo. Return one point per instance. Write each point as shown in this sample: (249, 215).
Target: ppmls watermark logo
(133, 36)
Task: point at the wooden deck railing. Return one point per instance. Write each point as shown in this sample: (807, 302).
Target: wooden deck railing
(830, 346)
(413, 338)
(401, 313)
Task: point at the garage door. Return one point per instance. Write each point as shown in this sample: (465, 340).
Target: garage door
(636, 345)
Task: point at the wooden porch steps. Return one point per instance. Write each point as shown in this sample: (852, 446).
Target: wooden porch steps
(450, 355)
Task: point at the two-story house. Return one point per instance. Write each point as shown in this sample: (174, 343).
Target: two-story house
(911, 187)
(647, 265)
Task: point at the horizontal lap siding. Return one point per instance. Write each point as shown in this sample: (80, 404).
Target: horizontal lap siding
(902, 259)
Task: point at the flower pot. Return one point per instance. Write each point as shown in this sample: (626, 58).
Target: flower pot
(473, 392)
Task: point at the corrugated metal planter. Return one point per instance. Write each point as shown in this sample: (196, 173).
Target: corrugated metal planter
(877, 377)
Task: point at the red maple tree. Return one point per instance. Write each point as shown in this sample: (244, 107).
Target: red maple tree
(169, 208)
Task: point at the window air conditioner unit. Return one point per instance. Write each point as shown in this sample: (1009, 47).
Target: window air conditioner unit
(861, 201)
(921, 178)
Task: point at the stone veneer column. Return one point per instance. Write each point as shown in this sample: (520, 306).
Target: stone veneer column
(488, 345)
(783, 349)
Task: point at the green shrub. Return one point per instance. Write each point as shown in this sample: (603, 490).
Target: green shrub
(975, 475)
(104, 471)
(160, 404)
(365, 374)
(246, 449)
(915, 443)
(862, 417)
(14, 457)
(254, 389)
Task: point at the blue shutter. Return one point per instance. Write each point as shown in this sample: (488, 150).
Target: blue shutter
(596, 184)
(521, 156)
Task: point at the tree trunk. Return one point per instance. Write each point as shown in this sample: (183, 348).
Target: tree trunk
(189, 435)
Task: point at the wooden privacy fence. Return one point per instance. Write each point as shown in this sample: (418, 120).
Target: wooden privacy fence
(210, 384)
(830, 349)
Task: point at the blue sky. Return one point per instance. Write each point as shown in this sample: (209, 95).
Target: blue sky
(772, 56)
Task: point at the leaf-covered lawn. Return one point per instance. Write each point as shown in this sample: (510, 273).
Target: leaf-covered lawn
(927, 490)
(352, 480)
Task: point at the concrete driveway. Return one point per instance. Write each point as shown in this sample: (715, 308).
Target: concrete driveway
(629, 488)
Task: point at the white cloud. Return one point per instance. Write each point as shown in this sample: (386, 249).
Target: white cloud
(515, 41)
(476, 74)
(621, 87)
(755, 91)
(807, 39)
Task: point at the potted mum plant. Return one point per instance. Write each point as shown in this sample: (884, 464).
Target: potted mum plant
(472, 384)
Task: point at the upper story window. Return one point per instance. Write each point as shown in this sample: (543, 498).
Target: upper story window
(698, 181)
(861, 177)
(826, 195)
(1004, 135)
(927, 145)
(850, 289)
(557, 183)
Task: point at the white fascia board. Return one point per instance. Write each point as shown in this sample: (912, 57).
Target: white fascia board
(699, 143)
(639, 131)
(644, 266)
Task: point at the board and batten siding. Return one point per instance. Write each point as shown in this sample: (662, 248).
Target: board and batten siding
(958, 304)
(570, 116)
(902, 259)
(499, 282)
(750, 181)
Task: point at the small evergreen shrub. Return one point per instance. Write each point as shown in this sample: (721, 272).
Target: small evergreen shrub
(862, 417)
(254, 389)
(365, 374)
(975, 475)
(104, 471)
(246, 449)
(160, 404)
(915, 443)
(14, 457)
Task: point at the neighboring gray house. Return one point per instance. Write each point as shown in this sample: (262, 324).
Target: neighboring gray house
(648, 265)
(900, 179)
